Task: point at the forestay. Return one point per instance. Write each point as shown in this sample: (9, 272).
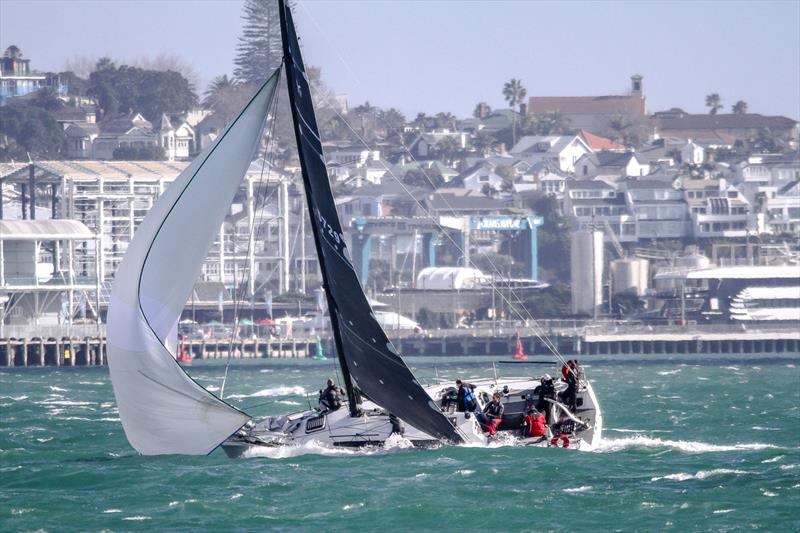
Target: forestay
(162, 409)
(366, 353)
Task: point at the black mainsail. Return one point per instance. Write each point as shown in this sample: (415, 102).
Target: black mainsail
(368, 359)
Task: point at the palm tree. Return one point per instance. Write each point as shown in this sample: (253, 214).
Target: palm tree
(514, 93)
(740, 107)
(714, 102)
(449, 149)
(218, 89)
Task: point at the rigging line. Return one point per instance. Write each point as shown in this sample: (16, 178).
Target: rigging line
(538, 329)
(245, 276)
(540, 333)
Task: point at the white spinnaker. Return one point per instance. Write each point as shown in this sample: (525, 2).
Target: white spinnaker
(164, 411)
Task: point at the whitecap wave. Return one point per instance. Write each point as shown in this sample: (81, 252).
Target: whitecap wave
(275, 391)
(701, 474)
(641, 441)
(669, 372)
(582, 488)
(137, 518)
(15, 398)
(723, 511)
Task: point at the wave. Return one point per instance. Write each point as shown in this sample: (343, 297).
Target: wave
(701, 474)
(582, 488)
(669, 372)
(15, 398)
(275, 391)
(640, 441)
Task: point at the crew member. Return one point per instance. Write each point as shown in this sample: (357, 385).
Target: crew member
(465, 400)
(492, 415)
(546, 390)
(535, 424)
(329, 398)
(571, 377)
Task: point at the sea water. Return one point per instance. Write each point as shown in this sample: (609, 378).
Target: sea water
(689, 444)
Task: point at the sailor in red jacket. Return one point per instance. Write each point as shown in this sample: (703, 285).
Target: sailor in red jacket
(535, 424)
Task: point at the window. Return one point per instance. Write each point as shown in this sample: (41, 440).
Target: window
(585, 170)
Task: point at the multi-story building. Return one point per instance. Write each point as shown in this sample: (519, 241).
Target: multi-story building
(717, 208)
(660, 210)
(595, 204)
(17, 78)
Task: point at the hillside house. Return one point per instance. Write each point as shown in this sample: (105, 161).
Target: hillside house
(561, 151)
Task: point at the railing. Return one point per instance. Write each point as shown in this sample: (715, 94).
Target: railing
(30, 331)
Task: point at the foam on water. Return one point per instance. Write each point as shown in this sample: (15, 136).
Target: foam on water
(701, 474)
(641, 441)
(274, 391)
(582, 488)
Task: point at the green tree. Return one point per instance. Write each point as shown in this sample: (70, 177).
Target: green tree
(13, 52)
(714, 103)
(76, 86)
(449, 149)
(551, 302)
(553, 238)
(150, 92)
(483, 143)
(514, 93)
(30, 130)
(260, 50)
(144, 153)
(445, 120)
(740, 107)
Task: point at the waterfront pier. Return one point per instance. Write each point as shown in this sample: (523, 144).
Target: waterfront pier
(586, 342)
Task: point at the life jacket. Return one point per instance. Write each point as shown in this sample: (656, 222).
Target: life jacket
(565, 371)
(469, 399)
(535, 424)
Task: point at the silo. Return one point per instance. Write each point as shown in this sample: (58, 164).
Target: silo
(630, 274)
(586, 268)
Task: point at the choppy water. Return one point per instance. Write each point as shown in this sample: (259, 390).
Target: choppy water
(709, 445)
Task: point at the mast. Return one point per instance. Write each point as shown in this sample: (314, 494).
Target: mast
(291, 81)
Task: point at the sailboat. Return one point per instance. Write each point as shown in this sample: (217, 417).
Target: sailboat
(164, 411)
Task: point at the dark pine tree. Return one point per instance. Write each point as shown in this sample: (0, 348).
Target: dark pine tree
(259, 51)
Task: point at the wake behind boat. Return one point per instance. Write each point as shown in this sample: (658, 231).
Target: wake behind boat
(164, 411)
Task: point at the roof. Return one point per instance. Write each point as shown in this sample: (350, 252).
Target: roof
(729, 121)
(605, 105)
(648, 184)
(119, 124)
(544, 144)
(588, 184)
(44, 230)
(81, 129)
(91, 170)
(614, 159)
(598, 143)
(747, 272)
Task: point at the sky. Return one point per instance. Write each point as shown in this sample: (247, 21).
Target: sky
(436, 56)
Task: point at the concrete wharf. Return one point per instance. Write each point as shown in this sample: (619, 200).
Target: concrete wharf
(586, 341)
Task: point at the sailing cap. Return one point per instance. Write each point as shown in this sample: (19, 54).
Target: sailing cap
(546, 377)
